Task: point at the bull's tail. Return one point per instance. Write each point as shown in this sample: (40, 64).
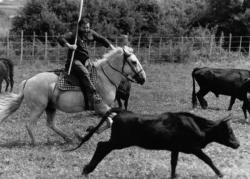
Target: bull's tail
(194, 99)
(10, 102)
(94, 129)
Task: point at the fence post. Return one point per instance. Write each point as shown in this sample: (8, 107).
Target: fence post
(94, 49)
(230, 42)
(211, 45)
(248, 46)
(21, 55)
(58, 53)
(46, 47)
(33, 45)
(221, 41)
(182, 45)
(160, 42)
(149, 47)
(139, 45)
(116, 41)
(240, 44)
(8, 44)
(170, 48)
(192, 46)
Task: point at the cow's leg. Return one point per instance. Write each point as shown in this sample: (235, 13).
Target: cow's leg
(1, 85)
(126, 104)
(119, 102)
(7, 84)
(200, 95)
(232, 100)
(174, 159)
(102, 149)
(201, 155)
(244, 109)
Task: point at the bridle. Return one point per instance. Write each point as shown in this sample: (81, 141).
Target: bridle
(125, 60)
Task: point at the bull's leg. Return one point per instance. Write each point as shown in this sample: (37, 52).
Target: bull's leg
(1, 85)
(232, 100)
(51, 124)
(174, 159)
(11, 84)
(200, 95)
(201, 155)
(244, 109)
(119, 102)
(102, 149)
(7, 84)
(126, 104)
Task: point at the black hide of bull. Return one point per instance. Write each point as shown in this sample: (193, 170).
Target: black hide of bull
(230, 82)
(176, 132)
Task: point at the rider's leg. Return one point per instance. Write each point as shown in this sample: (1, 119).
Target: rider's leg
(83, 75)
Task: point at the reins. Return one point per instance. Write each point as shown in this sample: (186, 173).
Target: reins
(125, 60)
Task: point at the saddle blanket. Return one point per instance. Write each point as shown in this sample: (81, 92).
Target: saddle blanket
(67, 82)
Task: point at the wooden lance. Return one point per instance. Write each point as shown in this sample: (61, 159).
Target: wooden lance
(77, 26)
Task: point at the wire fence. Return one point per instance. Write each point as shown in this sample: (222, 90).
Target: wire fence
(150, 49)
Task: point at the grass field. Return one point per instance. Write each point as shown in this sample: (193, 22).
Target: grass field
(168, 88)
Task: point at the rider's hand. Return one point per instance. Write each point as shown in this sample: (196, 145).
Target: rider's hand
(72, 47)
(111, 46)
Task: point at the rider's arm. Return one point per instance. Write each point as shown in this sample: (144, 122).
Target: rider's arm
(99, 38)
(67, 40)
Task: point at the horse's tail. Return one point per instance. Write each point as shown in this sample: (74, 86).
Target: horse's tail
(194, 99)
(10, 102)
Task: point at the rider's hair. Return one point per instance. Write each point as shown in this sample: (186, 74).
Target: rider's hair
(83, 21)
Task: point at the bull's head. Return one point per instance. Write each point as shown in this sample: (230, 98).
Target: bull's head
(224, 133)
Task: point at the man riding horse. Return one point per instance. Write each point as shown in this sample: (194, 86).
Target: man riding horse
(79, 70)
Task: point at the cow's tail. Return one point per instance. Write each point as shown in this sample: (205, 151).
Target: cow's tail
(94, 129)
(10, 102)
(194, 99)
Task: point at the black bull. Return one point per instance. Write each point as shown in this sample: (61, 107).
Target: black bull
(176, 132)
(230, 82)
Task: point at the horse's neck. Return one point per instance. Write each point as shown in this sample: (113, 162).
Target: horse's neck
(108, 81)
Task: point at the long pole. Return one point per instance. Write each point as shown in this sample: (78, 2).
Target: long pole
(77, 26)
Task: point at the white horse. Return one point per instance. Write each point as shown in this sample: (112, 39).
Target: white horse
(41, 94)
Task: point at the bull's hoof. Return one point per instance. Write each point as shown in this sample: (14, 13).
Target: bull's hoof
(204, 107)
(86, 170)
(90, 128)
(68, 140)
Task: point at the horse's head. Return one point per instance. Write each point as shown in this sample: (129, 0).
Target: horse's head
(127, 64)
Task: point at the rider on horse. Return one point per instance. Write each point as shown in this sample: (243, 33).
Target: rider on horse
(79, 70)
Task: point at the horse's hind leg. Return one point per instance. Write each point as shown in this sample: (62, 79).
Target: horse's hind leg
(51, 124)
(35, 115)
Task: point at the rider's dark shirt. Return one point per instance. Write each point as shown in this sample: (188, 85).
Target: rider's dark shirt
(81, 52)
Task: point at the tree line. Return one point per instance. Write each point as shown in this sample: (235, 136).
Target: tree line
(116, 17)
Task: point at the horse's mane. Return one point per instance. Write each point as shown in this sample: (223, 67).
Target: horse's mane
(114, 53)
